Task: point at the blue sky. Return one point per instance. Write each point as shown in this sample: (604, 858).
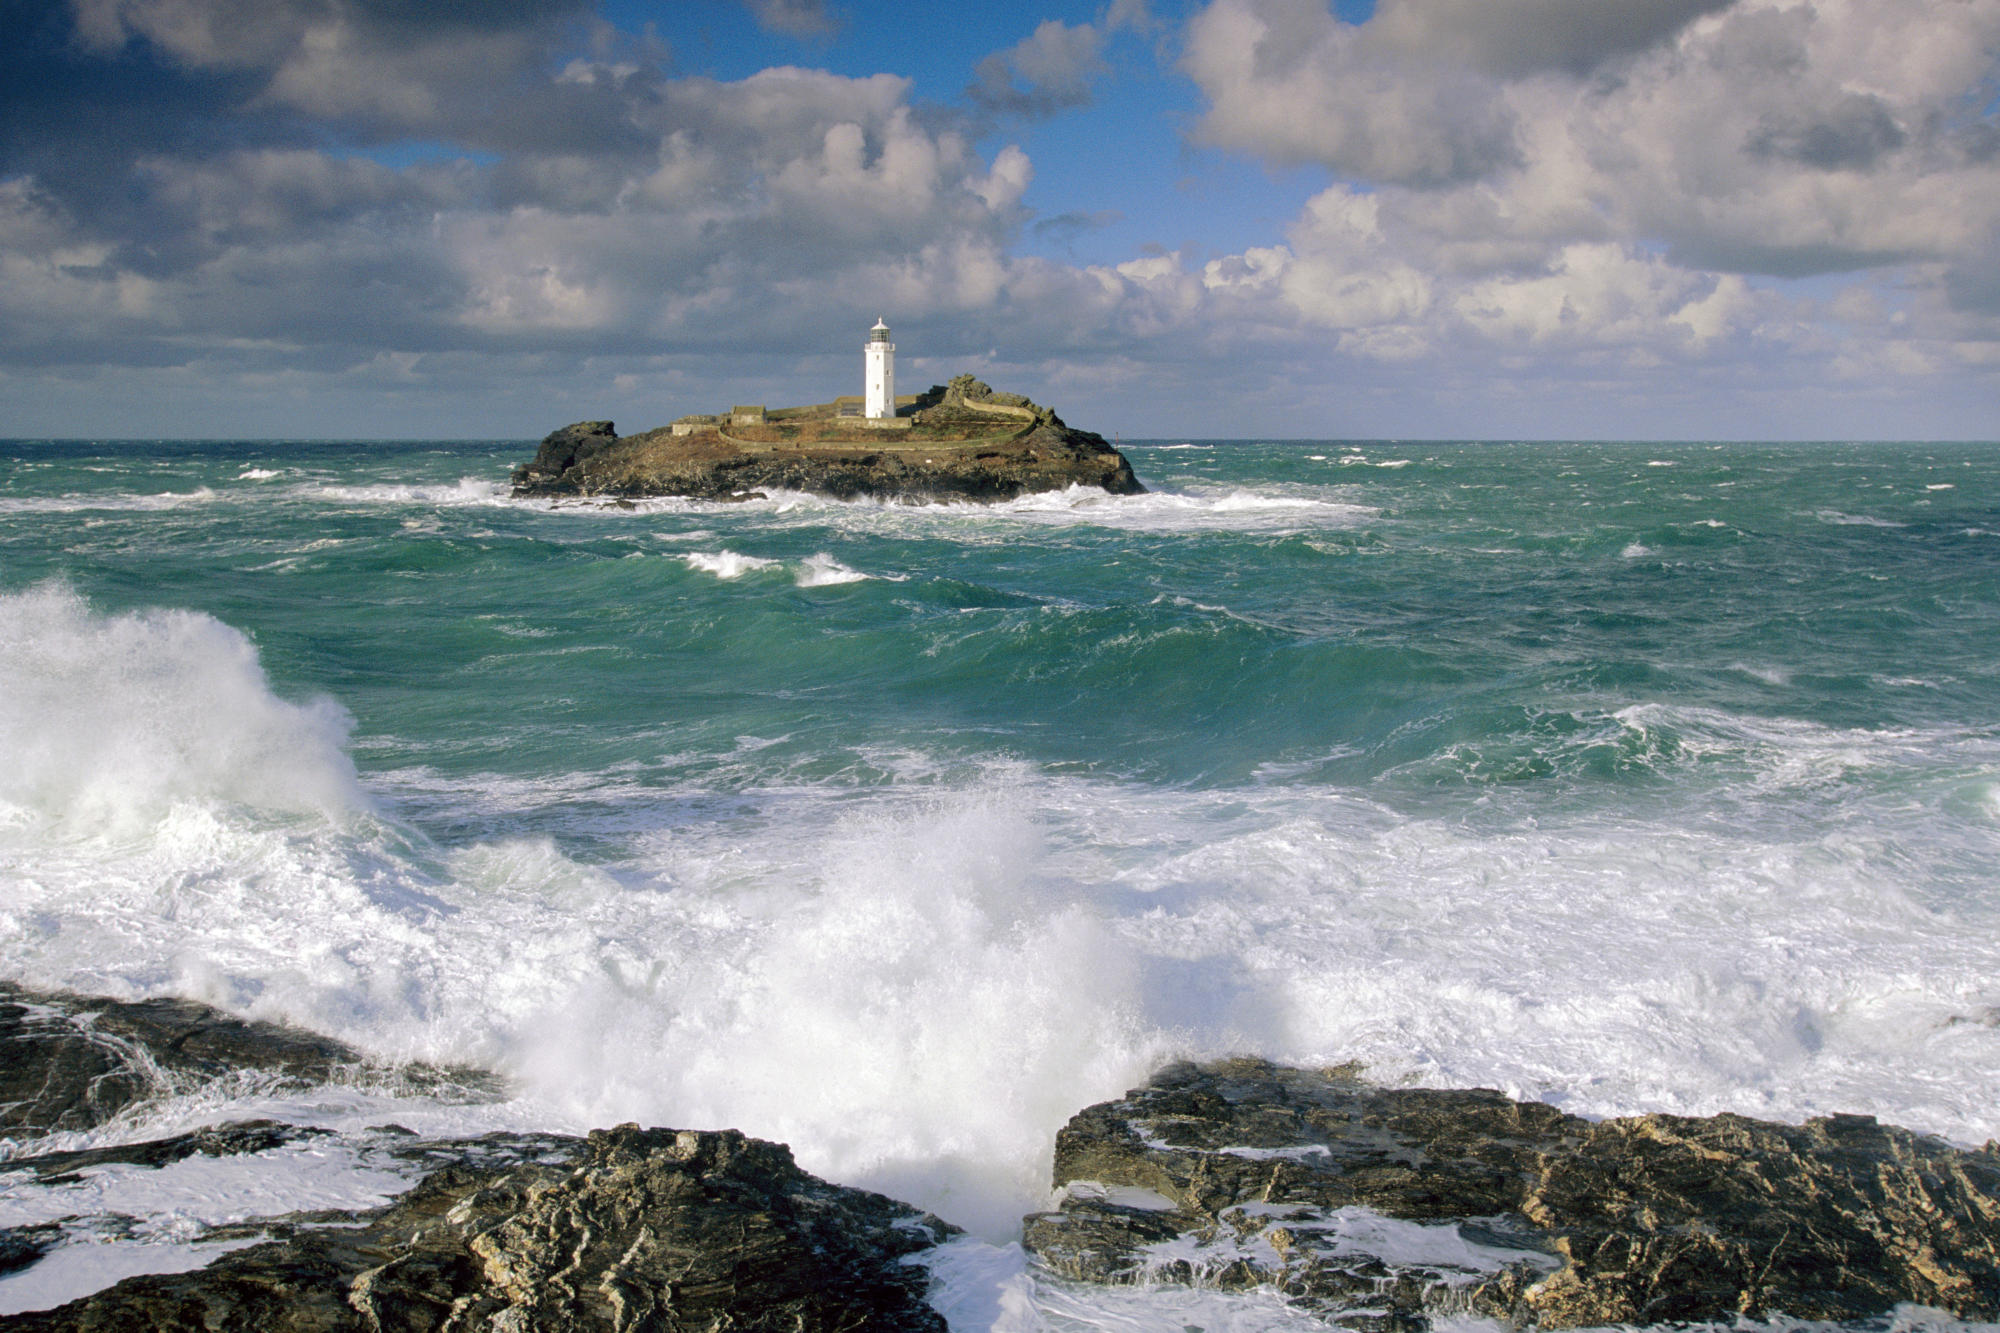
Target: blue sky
(1439, 218)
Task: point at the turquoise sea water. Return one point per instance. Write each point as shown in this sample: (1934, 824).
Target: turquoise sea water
(1631, 777)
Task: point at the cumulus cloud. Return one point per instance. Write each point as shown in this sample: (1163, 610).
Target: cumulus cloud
(601, 204)
(390, 194)
(1605, 182)
(1288, 81)
(1048, 71)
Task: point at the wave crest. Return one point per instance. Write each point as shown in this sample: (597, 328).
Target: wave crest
(110, 721)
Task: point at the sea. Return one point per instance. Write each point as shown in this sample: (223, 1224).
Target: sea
(1627, 777)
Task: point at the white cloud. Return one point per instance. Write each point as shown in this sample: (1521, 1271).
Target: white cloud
(1588, 181)
(1554, 192)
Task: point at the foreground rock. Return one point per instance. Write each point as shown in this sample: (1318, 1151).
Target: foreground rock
(661, 1230)
(962, 442)
(72, 1062)
(1382, 1207)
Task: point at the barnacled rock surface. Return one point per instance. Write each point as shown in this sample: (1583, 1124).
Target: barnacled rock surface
(631, 1229)
(72, 1062)
(1383, 1207)
(928, 462)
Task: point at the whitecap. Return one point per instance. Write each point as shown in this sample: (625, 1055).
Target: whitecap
(114, 722)
(466, 491)
(822, 570)
(1838, 519)
(725, 564)
(71, 504)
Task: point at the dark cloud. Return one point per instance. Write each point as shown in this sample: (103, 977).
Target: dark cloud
(794, 18)
(1512, 38)
(1046, 72)
(1853, 134)
(1973, 286)
(1066, 227)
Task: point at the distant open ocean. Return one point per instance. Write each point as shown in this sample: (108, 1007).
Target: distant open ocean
(1629, 777)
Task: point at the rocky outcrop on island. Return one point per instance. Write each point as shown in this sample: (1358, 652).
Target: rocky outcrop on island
(1384, 1207)
(961, 441)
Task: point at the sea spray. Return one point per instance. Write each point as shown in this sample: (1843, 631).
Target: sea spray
(109, 723)
(1407, 765)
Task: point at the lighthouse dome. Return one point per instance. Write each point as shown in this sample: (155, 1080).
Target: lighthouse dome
(880, 333)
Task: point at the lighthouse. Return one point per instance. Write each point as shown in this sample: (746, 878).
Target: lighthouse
(878, 367)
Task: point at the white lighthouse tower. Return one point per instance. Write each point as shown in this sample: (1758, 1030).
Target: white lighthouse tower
(878, 365)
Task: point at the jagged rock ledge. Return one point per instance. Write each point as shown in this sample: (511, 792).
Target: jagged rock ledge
(959, 441)
(1378, 1209)
(1382, 1208)
(625, 1229)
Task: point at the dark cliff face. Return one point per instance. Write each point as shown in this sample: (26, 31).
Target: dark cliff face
(1242, 1173)
(589, 459)
(565, 450)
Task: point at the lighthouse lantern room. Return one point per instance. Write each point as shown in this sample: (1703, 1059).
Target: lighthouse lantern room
(879, 372)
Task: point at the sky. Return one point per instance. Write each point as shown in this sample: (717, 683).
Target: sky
(1377, 219)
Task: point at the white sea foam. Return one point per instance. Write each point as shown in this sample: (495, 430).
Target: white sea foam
(139, 1219)
(985, 1288)
(258, 474)
(466, 492)
(822, 570)
(1838, 519)
(1193, 510)
(89, 1264)
(726, 564)
(112, 503)
(916, 984)
(1635, 550)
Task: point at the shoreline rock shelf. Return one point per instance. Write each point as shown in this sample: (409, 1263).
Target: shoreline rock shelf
(958, 442)
(1375, 1209)
(1385, 1206)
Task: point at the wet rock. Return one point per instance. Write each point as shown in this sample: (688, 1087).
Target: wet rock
(22, 1246)
(1384, 1207)
(565, 450)
(72, 1062)
(661, 1230)
(232, 1140)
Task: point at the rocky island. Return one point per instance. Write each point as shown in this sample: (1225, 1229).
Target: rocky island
(958, 441)
(1374, 1209)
